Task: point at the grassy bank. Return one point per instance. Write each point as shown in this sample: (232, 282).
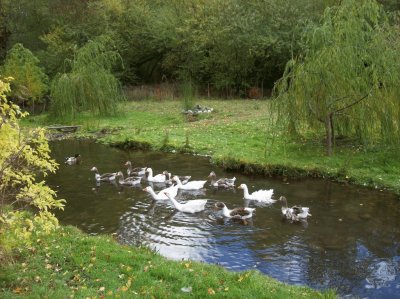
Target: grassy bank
(70, 264)
(235, 136)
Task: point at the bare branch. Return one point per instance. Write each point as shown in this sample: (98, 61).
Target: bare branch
(352, 104)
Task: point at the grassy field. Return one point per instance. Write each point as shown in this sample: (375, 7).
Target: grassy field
(70, 264)
(236, 135)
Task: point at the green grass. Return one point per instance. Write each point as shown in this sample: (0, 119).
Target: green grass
(235, 136)
(70, 264)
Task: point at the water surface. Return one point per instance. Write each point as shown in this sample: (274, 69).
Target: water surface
(350, 243)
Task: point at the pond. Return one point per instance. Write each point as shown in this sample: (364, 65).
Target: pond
(351, 242)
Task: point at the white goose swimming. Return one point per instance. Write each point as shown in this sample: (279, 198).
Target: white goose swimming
(192, 206)
(191, 185)
(260, 195)
(159, 178)
(295, 213)
(105, 177)
(223, 182)
(137, 171)
(129, 181)
(236, 213)
(173, 191)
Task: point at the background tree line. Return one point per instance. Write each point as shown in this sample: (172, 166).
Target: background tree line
(230, 45)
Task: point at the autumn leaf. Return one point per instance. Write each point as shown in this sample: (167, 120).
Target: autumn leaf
(18, 290)
(210, 291)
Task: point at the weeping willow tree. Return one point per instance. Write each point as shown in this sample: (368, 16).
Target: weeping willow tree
(347, 79)
(90, 86)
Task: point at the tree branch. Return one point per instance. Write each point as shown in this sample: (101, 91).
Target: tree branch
(352, 104)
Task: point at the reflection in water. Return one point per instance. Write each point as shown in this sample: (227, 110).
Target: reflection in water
(350, 243)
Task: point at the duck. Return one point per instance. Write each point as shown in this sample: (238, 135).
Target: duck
(129, 181)
(223, 182)
(168, 178)
(73, 160)
(191, 185)
(103, 177)
(137, 171)
(236, 213)
(295, 213)
(173, 191)
(192, 206)
(264, 196)
(159, 178)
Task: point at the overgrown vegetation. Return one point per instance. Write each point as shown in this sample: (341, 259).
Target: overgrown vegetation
(23, 157)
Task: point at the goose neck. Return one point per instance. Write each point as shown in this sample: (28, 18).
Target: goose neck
(226, 211)
(175, 202)
(152, 193)
(245, 191)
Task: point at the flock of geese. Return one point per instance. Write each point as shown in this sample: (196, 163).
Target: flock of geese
(175, 183)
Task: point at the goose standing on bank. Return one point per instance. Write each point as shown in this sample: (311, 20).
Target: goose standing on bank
(105, 177)
(137, 171)
(129, 181)
(191, 185)
(223, 182)
(264, 196)
(236, 213)
(173, 191)
(192, 206)
(295, 213)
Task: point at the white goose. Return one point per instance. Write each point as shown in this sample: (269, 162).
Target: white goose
(191, 185)
(105, 177)
(295, 213)
(159, 178)
(236, 213)
(129, 181)
(173, 191)
(260, 195)
(192, 206)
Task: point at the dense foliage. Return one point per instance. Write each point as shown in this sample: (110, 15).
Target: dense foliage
(228, 45)
(347, 77)
(23, 156)
(29, 83)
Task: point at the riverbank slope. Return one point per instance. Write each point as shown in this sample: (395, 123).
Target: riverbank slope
(236, 136)
(70, 264)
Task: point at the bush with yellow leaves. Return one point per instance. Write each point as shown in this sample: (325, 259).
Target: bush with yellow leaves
(24, 156)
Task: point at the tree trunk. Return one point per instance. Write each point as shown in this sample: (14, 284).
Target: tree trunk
(329, 133)
(262, 88)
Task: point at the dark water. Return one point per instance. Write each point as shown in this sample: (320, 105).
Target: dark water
(352, 241)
